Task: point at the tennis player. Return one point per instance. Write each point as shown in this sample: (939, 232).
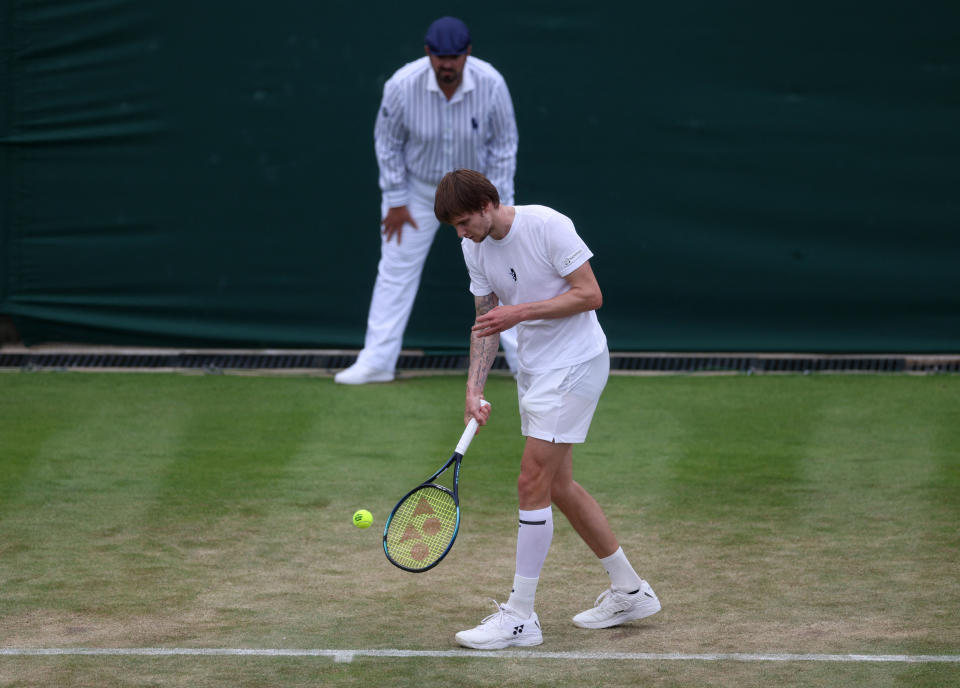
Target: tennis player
(529, 268)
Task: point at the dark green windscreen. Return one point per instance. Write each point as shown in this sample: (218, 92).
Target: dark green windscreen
(750, 175)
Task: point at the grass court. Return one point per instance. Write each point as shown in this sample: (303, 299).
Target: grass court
(773, 514)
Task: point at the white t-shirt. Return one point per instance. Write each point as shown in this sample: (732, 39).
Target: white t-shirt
(529, 264)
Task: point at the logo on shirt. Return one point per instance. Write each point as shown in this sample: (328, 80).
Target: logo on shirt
(572, 257)
(513, 274)
(473, 121)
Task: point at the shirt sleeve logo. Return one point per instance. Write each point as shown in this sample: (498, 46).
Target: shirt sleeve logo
(513, 274)
(572, 257)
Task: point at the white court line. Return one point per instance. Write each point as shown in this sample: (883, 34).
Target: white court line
(348, 655)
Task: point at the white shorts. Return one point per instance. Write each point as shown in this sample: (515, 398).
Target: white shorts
(558, 405)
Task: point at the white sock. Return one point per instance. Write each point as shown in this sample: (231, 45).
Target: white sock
(533, 541)
(522, 596)
(534, 535)
(622, 576)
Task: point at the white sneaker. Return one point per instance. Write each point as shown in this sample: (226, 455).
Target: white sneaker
(503, 629)
(361, 374)
(615, 607)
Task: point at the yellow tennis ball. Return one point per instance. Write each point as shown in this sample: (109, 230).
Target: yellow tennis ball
(362, 519)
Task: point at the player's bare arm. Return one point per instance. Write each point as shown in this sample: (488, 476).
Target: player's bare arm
(584, 295)
(483, 352)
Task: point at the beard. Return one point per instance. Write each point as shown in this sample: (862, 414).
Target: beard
(447, 76)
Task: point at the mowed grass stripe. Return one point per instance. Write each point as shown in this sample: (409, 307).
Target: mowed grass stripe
(90, 424)
(879, 513)
(85, 451)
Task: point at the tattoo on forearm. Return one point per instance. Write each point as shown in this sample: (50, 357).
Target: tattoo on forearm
(483, 350)
(485, 304)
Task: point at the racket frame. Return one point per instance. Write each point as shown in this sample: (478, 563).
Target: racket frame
(456, 458)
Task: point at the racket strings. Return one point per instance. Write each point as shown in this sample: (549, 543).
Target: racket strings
(422, 528)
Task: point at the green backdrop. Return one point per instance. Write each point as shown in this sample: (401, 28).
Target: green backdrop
(750, 175)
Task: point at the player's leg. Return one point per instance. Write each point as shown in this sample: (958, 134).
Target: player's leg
(629, 596)
(516, 623)
(540, 400)
(582, 511)
(394, 292)
(541, 460)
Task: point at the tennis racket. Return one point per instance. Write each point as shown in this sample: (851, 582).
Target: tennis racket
(423, 525)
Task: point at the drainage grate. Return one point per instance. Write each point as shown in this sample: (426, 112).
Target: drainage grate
(678, 364)
(329, 361)
(931, 366)
(819, 365)
(247, 361)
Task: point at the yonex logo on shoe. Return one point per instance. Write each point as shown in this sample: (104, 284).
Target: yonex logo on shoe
(517, 630)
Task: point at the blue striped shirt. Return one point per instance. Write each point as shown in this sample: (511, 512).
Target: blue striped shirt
(422, 134)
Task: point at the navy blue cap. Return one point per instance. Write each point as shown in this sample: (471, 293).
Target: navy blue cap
(447, 36)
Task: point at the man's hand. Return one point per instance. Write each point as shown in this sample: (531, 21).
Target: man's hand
(583, 295)
(497, 320)
(395, 220)
(474, 409)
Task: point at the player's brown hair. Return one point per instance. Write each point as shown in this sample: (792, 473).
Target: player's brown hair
(461, 192)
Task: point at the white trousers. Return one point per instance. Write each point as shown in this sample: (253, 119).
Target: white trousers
(398, 279)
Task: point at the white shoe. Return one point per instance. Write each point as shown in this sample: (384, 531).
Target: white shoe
(615, 607)
(361, 374)
(503, 629)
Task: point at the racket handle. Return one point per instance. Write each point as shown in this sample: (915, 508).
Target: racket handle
(469, 432)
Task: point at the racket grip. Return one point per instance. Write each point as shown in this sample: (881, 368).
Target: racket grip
(469, 432)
